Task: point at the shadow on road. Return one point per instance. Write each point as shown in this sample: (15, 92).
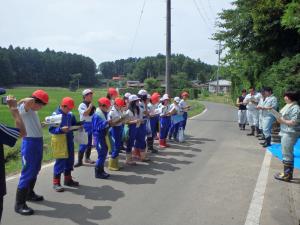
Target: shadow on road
(75, 212)
(132, 179)
(105, 193)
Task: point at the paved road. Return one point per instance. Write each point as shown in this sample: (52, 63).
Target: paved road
(209, 180)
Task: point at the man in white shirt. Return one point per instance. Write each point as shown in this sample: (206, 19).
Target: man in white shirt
(252, 100)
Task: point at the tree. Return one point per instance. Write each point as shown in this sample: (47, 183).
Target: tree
(151, 83)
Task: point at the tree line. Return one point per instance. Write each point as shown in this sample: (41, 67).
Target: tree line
(262, 39)
(154, 66)
(26, 66)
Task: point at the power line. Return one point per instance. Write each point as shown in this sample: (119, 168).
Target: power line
(137, 28)
(201, 15)
(204, 11)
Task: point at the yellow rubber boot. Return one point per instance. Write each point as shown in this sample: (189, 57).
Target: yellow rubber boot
(113, 164)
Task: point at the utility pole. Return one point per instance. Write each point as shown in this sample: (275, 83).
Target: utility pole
(168, 49)
(219, 51)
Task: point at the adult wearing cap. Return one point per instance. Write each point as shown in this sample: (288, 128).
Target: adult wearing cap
(116, 132)
(175, 124)
(185, 107)
(165, 120)
(86, 110)
(64, 164)
(112, 93)
(31, 150)
(8, 136)
(101, 125)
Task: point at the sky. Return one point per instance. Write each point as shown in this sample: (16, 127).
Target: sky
(107, 30)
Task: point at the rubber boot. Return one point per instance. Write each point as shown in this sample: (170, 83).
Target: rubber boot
(262, 138)
(100, 173)
(268, 142)
(252, 131)
(165, 143)
(287, 175)
(88, 155)
(240, 126)
(68, 181)
(144, 157)
(31, 195)
(20, 205)
(258, 132)
(129, 160)
(244, 126)
(80, 157)
(56, 184)
(113, 164)
(162, 143)
(150, 142)
(136, 154)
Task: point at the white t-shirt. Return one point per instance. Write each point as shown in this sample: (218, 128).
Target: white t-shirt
(114, 115)
(31, 121)
(133, 117)
(82, 108)
(183, 104)
(249, 98)
(177, 108)
(163, 110)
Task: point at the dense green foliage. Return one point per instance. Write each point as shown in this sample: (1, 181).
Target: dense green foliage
(263, 42)
(142, 68)
(48, 68)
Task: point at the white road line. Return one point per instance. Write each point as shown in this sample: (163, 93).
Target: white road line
(254, 212)
(52, 163)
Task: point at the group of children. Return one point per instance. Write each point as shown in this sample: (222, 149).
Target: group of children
(131, 123)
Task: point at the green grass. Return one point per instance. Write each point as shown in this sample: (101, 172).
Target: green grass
(225, 99)
(12, 155)
(197, 107)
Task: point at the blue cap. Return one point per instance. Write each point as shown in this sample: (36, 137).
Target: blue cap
(2, 91)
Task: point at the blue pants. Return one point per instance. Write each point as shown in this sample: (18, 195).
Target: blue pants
(117, 133)
(267, 122)
(154, 123)
(88, 128)
(165, 123)
(102, 150)
(65, 165)
(132, 131)
(174, 130)
(32, 156)
(140, 138)
(185, 116)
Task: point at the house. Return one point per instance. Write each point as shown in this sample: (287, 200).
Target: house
(118, 78)
(224, 86)
(134, 84)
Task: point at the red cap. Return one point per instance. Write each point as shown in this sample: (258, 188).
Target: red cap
(155, 97)
(119, 102)
(113, 92)
(69, 102)
(41, 95)
(184, 94)
(104, 101)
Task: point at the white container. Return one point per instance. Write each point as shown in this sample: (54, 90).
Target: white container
(56, 119)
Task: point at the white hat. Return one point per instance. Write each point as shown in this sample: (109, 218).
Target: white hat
(142, 92)
(86, 91)
(148, 96)
(177, 99)
(165, 97)
(127, 95)
(133, 98)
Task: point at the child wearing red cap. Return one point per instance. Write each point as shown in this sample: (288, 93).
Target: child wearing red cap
(31, 150)
(64, 164)
(112, 93)
(154, 120)
(101, 125)
(185, 107)
(116, 132)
